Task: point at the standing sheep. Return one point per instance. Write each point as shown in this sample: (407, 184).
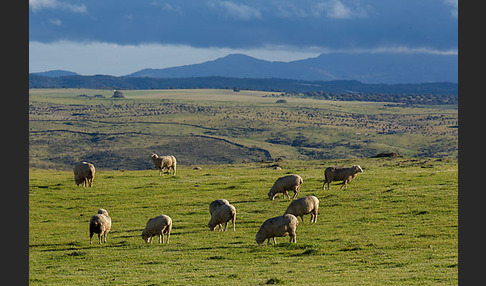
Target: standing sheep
(84, 174)
(277, 226)
(340, 174)
(157, 226)
(221, 212)
(100, 223)
(164, 162)
(303, 206)
(285, 184)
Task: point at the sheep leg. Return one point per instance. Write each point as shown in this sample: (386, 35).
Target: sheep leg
(234, 222)
(328, 185)
(225, 225)
(296, 192)
(167, 240)
(99, 238)
(150, 239)
(90, 237)
(104, 236)
(345, 185)
(293, 237)
(161, 238)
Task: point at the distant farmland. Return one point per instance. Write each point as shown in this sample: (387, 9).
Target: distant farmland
(215, 126)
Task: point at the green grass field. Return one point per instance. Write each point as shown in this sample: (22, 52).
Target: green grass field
(396, 224)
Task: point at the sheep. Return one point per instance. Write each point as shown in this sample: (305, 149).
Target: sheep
(340, 174)
(157, 226)
(84, 174)
(221, 212)
(164, 162)
(284, 184)
(277, 226)
(99, 223)
(216, 204)
(303, 206)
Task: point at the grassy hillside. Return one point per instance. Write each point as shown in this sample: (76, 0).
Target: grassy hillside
(208, 126)
(395, 225)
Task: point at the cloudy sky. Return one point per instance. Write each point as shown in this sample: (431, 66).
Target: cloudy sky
(119, 37)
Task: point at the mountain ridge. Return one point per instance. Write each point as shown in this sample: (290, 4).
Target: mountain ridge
(368, 68)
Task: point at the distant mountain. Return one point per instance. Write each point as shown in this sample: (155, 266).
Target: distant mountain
(56, 73)
(367, 68)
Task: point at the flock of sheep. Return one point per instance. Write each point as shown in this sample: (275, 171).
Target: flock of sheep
(221, 211)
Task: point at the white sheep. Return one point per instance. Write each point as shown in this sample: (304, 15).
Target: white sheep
(340, 174)
(285, 184)
(84, 174)
(99, 223)
(303, 206)
(164, 162)
(216, 204)
(157, 226)
(221, 212)
(277, 226)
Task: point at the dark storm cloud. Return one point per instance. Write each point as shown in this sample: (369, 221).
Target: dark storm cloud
(332, 24)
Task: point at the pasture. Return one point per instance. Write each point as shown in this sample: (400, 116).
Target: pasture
(396, 224)
(207, 126)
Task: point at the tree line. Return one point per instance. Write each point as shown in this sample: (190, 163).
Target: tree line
(416, 93)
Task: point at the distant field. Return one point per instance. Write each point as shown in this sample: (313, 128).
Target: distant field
(397, 224)
(207, 126)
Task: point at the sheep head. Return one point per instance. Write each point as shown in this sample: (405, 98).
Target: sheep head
(145, 236)
(357, 169)
(271, 195)
(260, 238)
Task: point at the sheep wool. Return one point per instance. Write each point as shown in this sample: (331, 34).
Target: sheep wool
(84, 174)
(164, 162)
(157, 226)
(100, 224)
(340, 174)
(303, 206)
(277, 226)
(221, 212)
(285, 184)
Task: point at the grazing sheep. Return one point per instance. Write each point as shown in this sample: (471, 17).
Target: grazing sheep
(84, 174)
(277, 226)
(100, 223)
(164, 162)
(303, 206)
(216, 204)
(221, 212)
(340, 174)
(157, 226)
(285, 184)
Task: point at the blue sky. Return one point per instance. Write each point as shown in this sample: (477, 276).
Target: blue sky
(120, 37)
